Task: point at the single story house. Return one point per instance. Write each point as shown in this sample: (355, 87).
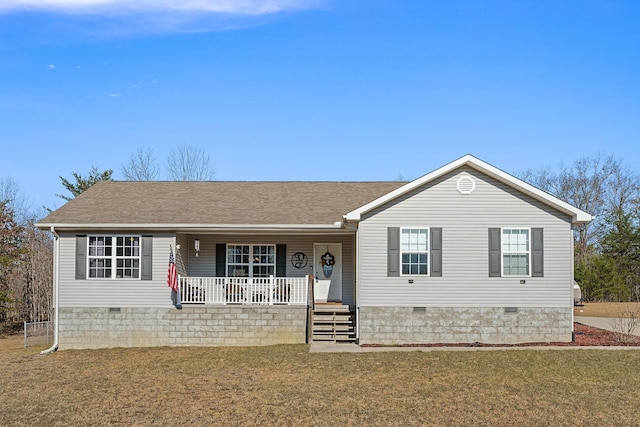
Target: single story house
(466, 253)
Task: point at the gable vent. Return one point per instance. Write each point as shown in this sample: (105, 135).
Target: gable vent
(466, 184)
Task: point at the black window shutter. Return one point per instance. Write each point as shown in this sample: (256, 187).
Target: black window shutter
(81, 257)
(393, 251)
(147, 252)
(537, 253)
(494, 252)
(436, 252)
(221, 259)
(281, 260)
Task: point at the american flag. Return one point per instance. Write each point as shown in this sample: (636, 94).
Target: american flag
(172, 276)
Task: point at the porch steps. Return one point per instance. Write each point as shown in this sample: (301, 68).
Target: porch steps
(333, 323)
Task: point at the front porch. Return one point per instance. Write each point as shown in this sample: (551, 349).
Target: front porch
(328, 321)
(244, 290)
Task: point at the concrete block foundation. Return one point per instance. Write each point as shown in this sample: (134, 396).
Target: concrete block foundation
(101, 327)
(452, 325)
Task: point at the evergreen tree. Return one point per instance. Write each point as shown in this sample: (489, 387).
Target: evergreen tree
(81, 183)
(621, 245)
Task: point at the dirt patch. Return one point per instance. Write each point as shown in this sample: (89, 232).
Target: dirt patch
(590, 336)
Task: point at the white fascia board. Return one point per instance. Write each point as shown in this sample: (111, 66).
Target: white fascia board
(578, 216)
(196, 227)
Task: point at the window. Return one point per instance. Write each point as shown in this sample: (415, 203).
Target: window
(251, 260)
(414, 250)
(516, 251)
(114, 254)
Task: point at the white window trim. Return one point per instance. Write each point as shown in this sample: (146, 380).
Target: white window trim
(251, 264)
(502, 253)
(114, 258)
(400, 251)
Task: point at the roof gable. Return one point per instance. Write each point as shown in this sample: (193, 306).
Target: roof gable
(578, 216)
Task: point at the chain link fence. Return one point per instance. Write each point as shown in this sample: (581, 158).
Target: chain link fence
(38, 333)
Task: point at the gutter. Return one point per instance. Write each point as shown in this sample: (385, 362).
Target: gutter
(56, 251)
(197, 227)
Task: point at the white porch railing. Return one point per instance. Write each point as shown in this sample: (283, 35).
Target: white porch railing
(244, 290)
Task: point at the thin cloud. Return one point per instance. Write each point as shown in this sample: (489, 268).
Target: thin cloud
(125, 18)
(51, 66)
(126, 7)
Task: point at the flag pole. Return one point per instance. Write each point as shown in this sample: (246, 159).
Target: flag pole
(172, 279)
(178, 296)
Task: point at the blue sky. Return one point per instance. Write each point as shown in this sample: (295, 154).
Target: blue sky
(314, 90)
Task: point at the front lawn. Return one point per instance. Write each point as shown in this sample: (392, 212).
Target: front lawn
(286, 385)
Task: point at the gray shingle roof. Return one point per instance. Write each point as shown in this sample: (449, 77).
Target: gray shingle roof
(217, 202)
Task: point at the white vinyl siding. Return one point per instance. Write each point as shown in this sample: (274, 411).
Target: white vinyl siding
(125, 292)
(465, 219)
(156, 293)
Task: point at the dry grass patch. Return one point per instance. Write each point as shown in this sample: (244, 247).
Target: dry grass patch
(606, 309)
(286, 385)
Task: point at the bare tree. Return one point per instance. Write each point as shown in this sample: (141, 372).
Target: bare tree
(37, 275)
(15, 199)
(624, 195)
(596, 185)
(141, 166)
(11, 255)
(189, 163)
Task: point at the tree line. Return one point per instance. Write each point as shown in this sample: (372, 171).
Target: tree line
(607, 250)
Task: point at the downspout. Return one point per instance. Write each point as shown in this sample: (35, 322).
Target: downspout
(357, 274)
(56, 251)
(573, 267)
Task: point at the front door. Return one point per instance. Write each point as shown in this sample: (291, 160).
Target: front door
(327, 265)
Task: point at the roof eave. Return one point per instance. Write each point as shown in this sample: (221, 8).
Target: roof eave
(193, 227)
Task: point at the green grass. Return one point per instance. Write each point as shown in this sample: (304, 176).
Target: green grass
(286, 385)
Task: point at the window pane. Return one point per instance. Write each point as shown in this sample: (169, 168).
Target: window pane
(515, 240)
(414, 263)
(516, 265)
